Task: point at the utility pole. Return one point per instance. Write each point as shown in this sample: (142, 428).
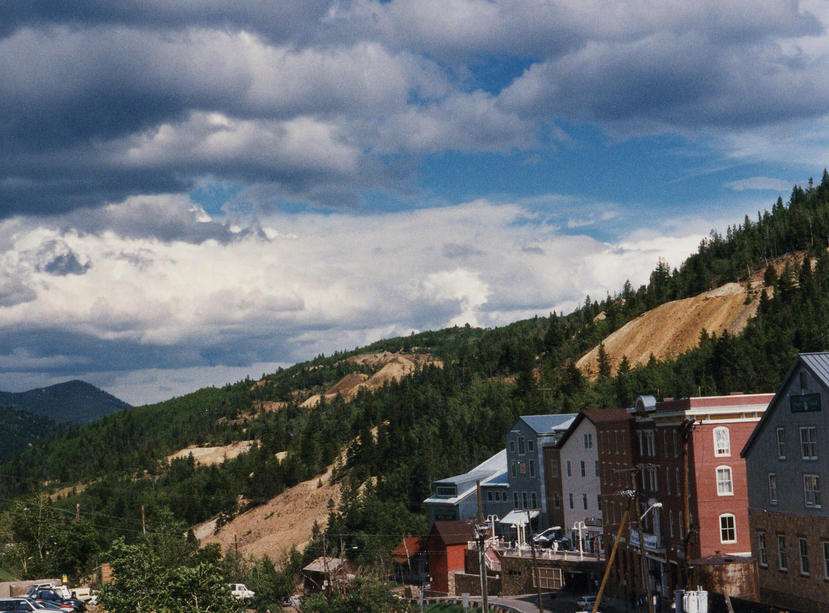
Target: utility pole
(645, 572)
(480, 531)
(610, 561)
(325, 582)
(535, 568)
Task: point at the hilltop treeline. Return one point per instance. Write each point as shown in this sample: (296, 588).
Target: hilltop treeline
(439, 421)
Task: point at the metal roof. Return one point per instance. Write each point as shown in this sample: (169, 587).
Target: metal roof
(548, 424)
(818, 363)
(483, 471)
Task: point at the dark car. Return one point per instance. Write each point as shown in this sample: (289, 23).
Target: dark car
(24, 604)
(51, 597)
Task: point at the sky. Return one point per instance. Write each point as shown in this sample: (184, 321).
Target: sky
(192, 192)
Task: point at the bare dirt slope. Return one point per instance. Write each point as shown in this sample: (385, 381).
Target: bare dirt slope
(675, 327)
(284, 521)
(394, 366)
(207, 456)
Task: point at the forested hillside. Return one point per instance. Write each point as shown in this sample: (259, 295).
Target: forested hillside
(438, 421)
(74, 402)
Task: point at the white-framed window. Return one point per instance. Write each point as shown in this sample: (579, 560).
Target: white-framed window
(762, 555)
(808, 442)
(725, 486)
(722, 441)
(782, 557)
(811, 490)
(781, 443)
(772, 488)
(650, 442)
(728, 528)
(588, 440)
(803, 550)
(825, 559)
(654, 478)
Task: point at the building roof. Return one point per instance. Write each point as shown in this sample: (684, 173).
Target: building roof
(548, 424)
(319, 565)
(816, 363)
(407, 548)
(489, 472)
(595, 416)
(453, 532)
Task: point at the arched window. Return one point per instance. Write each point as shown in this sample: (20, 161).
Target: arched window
(728, 528)
(722, 441)
(725, 486)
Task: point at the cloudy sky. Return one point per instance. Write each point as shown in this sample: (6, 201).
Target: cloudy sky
(192, 191)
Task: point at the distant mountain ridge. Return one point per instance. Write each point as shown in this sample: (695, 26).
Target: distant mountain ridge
(75, 402)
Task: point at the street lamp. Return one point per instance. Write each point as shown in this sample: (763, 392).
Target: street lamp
(653, 504)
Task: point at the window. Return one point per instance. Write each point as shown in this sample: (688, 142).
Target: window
(781, 444)
(571, 500)
(782, 560)
(671, 523)
(681, 526)
(599, 501)
(531, 445)
(825, 560)
(678, 484)
(513, 469)
(653, 478)
(553, 467)
(534, 499)
(569, 471)
(722, 441)
(650, 442)
(803, 550)
(556, 500)
(641, 443)
(808, 443)
(489, 496)
(616, 436)
(772, 488)
(724, 485)
(762, 556)
(811, 490)
(665, 443)
(676, 447)
(532, 468)
(597, 468)
(521, 445)
(728, 531)
(584, 501)
(583, 471)
(515, 501)
(512, 446)
(524, 500)
(588, 441)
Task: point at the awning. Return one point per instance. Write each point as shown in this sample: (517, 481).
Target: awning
(517, 517)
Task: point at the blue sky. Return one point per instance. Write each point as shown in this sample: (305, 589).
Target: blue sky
(192, 192)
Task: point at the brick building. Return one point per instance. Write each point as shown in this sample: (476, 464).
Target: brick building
(447, 543)
(683, 454)
(787, 459)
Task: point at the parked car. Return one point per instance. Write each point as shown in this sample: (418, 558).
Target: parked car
(546, 537)
(586, 602)
(16, 604)
(241, 591)
(50, 596)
